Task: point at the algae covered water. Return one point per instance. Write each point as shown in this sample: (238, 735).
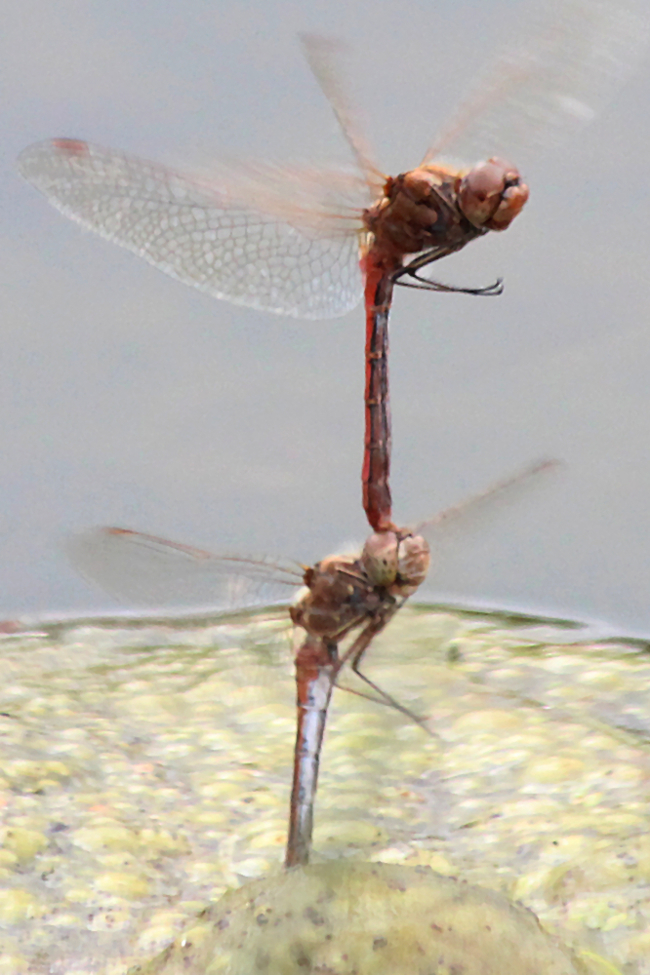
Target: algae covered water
(145, 768)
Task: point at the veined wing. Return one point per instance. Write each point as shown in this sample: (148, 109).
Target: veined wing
(579, 54)
(285, 241)
(149, 571)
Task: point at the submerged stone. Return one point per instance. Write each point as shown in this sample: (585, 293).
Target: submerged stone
(344, 918)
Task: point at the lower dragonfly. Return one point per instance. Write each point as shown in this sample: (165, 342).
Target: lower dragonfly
(340, 594)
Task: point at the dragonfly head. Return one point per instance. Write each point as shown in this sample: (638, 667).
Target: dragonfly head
(492, 194)
(398, 562)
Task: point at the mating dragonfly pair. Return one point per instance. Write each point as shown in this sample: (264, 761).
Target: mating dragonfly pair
(309, 243)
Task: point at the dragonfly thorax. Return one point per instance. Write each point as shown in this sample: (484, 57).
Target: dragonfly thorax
(338, 597)
(419, 211)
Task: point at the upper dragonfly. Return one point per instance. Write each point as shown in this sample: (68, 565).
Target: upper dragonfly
(309, 243)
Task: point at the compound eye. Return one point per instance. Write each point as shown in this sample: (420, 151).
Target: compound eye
(492, 186)
(413, 558)
(379, 558)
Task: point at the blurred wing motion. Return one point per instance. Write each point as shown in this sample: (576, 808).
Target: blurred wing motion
(579, 53)
(328, 59)
(280, 240)
(148, 571)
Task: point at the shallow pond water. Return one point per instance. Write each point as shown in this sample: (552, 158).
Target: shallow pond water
(145, 768)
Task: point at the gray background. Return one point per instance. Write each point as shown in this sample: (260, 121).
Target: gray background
(129, 399)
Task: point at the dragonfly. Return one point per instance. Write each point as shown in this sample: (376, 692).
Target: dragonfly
(340, 596)
(310, 242)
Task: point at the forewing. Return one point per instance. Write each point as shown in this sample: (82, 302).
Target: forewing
(454, 529)
(503, 491)
(542, 90)
(281, 241)
(148, 571)
(328, 58)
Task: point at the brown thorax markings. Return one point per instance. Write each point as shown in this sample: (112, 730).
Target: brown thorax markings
(345, 591)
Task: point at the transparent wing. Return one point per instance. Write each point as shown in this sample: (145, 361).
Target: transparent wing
(278, 240)
(149, 571)
(328, 57)
(579, 55)
(486, 502)
(452, 533)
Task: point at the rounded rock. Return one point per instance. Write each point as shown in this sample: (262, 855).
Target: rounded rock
(379, 919)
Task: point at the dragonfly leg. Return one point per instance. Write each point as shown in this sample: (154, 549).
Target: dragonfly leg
(385, 698)
(408, 277)
(355, 654)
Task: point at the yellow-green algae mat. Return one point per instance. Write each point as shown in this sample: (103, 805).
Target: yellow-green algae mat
(145, 770)
(363, 919)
